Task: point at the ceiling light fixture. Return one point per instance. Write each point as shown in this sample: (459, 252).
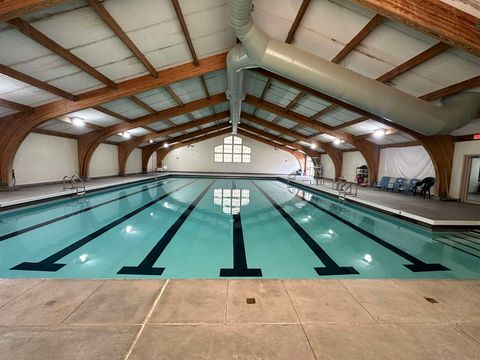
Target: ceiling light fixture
(379, 133)
(126, 135)
(337, 141)
(313, 146)
(78, 122)
(150, 141)
(165, 145)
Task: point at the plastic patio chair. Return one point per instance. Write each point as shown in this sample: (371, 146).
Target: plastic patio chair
(410, 186)
(383, 183)
(425, 185)
(396, 184)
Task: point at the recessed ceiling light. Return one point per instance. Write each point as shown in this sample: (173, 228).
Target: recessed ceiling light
(379, 133)
(126, 135)
(165, 145)
(150, 141)
(313, 146)
(337, 141)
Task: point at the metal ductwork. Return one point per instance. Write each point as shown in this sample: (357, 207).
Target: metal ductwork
(260, 50)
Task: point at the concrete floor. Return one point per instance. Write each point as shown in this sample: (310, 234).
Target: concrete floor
(210, 319)
(37, 192)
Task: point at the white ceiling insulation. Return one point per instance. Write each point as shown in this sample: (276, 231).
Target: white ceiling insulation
(327, 26)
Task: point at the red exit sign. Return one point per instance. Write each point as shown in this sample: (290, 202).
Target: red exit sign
(476, 137)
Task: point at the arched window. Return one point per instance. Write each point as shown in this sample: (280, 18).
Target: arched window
(232, 150)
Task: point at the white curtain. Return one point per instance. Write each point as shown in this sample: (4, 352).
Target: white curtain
(408, 162)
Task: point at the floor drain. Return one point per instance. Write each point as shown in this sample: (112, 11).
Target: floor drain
(431, 300)
(250, 300)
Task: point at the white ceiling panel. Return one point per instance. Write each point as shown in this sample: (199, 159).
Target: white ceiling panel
(17, 91)
(95, 117)
(139, 131)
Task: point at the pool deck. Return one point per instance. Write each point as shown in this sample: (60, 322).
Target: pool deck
(211, 319)
(429, 212)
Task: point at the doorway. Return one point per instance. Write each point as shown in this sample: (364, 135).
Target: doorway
(471, 179)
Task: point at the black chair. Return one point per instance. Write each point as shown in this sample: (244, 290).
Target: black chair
(425, 186)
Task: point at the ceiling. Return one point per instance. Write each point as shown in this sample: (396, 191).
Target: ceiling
(155, 28)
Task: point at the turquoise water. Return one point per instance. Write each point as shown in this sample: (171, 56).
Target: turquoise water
(223, 228)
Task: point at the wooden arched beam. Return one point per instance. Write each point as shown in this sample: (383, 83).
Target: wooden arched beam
(16, 127)
(332, 151)
(89, 142)
(369, 150)
(126, 147)
(147, 151)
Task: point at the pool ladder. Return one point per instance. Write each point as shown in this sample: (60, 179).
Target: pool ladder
(347, 188)
(74, 182)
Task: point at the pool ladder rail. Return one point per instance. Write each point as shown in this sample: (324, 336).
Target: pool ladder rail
(347, 188)
(74, 182)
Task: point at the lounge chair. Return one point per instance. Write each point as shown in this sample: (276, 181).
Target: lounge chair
(396, 184)
(425, 186)
(383, 183)
(410, 186)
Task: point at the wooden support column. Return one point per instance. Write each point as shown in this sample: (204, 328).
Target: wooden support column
(302, 159)
(124, 150)
(440, 148)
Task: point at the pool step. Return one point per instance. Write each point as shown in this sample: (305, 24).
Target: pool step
(466, 241)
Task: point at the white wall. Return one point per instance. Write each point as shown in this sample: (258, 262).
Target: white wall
(328, 167)
(44, 158)
(134, 162)
(152, 162)
(461, 149)
(352, 160)
(104, 161)
(199, 157)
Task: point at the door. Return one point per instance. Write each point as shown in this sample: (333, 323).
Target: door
(471, 189)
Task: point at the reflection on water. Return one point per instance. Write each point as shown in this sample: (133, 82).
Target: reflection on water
(231, 199)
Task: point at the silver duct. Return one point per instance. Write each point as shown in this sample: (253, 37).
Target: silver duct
(259, 50)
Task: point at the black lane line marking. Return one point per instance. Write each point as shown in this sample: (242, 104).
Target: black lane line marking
(49, 263)
(240, 266)
(446, 244)
(458, 243)
(146, 265)
(417, 264)
(63, 217)
(331, 267)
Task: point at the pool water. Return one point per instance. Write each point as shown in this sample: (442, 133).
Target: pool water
(184, 227)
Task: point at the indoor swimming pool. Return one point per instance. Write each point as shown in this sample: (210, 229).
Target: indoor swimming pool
(200, 227)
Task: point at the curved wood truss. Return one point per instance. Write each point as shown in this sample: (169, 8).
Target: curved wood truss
(418, 14)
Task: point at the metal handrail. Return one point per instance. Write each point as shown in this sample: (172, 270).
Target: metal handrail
(346, 189)
(75, 182)
(65, 178)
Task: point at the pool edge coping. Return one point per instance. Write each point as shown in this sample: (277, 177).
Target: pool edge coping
(396, 213)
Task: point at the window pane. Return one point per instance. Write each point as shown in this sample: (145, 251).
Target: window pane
(236, 193)
(237, 149)
(247, 150)
(227, 158)
(237, 140)
(219, 148)
(246, 158)
(237, 158)
(227, 148)
(228, 140)
(218, 157)
(245, 193)
(227, 192)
